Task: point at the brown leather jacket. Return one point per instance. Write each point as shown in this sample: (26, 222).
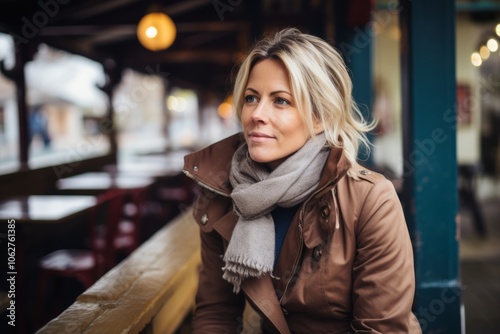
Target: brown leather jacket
(346, 265)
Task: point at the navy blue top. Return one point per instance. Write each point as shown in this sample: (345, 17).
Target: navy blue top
(282, 219)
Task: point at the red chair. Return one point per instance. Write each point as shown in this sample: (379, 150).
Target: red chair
(124, 237)
(83, 265)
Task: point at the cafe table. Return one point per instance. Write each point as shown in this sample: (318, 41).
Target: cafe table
(40, 209)
(36, 221)
(29, 225)
(152, 169)
(92, 183)
(155, 166)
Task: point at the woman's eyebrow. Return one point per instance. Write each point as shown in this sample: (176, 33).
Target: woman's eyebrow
(280, 91)
(251, 89)
(272, 93)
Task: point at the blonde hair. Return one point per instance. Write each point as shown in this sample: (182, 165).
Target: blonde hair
(320, 83)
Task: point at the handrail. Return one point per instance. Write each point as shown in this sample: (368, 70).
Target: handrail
(155, 287)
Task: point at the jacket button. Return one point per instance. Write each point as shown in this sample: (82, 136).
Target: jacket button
(317, 252)
(195, 168)
(285, 312)
(325, 212)
(364, 172)
(204, 219)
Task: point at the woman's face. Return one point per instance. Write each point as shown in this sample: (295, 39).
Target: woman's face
(271, 122)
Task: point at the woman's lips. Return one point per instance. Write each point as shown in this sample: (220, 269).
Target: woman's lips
(259, 137)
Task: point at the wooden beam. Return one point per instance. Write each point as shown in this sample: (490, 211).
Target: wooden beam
(82, 30)
(185, 6)
(182, 27)
(86, 11)
(222, 57)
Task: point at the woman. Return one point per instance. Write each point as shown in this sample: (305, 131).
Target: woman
(289, 221)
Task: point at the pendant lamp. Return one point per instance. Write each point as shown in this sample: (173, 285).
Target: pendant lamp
(156, 31)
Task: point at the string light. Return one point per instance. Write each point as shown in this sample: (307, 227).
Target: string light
(484, 52)
(475, 59)
(492, 44)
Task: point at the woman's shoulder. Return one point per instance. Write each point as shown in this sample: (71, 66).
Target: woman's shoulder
(368, 175)
(362, 177)
(369, 199)
(363, 183)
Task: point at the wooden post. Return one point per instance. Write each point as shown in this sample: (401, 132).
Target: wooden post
(16, 74)
(430, 164)
(107, 126)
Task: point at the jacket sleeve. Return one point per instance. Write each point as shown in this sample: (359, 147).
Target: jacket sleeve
(218, 309)
(383, 272)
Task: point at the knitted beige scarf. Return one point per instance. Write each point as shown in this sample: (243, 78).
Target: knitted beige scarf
(256, 192)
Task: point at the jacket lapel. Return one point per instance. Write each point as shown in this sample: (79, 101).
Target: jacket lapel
(225, 225)
(260, 291)
(262, 295)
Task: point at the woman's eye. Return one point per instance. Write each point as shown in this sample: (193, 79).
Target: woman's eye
(281, 101)
(250, 99)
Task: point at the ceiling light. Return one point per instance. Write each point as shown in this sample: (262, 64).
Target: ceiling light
(156, 31)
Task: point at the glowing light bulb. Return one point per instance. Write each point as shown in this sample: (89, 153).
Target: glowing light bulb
(225, 110)
(156, 31)
(475, 59)
(492, 44)
(484, 52)
(172, 103)
(151, 32)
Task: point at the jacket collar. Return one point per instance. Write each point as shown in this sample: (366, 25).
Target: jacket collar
(210, 166)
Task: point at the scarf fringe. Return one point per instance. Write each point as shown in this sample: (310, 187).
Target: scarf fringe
(235, 261)
(246, 271)
(234, 273)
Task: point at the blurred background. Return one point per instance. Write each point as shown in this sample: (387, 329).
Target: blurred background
(100, 101)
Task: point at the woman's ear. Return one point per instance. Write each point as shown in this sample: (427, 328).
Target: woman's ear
(318, 126)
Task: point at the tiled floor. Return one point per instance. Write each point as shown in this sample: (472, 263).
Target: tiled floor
(480, 265)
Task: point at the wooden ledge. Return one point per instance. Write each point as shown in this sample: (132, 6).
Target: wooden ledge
(155, 285)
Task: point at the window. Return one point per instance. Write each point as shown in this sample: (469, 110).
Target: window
(183, 125)
(9, 128)
(66, 108)
(388, 142)
(140, 111)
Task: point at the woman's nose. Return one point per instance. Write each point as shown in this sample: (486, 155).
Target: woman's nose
(260, 113)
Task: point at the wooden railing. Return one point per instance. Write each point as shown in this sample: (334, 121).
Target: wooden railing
(153, 288)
